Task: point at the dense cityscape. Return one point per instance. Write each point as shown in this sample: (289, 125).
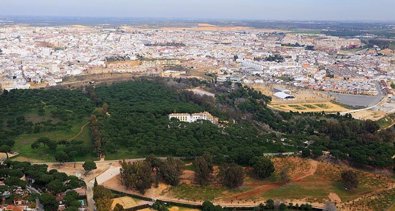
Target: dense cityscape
(43, 56)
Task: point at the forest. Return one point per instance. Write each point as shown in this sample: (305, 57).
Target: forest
(130, 119)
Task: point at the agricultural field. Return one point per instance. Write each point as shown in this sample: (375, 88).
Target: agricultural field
(327, 107)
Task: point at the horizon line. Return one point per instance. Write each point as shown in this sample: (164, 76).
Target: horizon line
(204, 19)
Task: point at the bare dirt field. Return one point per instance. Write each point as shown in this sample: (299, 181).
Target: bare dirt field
(309, 181)
(369, 114)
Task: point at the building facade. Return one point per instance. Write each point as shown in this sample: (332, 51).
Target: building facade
(185, 117)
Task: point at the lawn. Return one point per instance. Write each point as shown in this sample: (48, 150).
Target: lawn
(24, 141)
(123, 154)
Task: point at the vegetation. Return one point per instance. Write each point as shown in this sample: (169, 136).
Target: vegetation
(208, 206)
(136, 175)
(41, 118)
(232, 176)
(262, 167)
(349, 180)
(140, 175)
(160, 206)
(203, 169)
(50, 183)
(102, 197)
(89, 166)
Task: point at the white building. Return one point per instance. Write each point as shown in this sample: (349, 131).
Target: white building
(185, 117)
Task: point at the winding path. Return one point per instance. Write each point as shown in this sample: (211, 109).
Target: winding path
(79, 133)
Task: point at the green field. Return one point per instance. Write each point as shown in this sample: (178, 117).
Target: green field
(192, 192)
(24, 141)
(386, 121)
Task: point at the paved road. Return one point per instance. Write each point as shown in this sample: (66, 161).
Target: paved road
(89, 195)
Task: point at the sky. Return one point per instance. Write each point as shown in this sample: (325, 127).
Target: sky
(346, 10)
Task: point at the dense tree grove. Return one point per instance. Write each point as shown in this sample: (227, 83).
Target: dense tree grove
(141, 174)
(63, 151)
(144, 107)
(131, 118)
(33, 111)
(136, 175)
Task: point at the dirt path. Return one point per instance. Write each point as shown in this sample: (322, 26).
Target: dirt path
(79, 133)
(248, 194)
(333, 197)
(310, 172)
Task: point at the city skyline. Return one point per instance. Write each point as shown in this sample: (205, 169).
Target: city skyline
(335, 10)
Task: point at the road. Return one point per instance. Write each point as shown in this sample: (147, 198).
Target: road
(90, 179)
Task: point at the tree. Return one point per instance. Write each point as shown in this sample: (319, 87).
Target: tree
(349, 179)
(136, 175)
(96, 135)
(56, 186)
(61, 156)
(262, 167)
(306, 153)
(159, 206)
(282, 207)
(105, 108)
(232, 176)
(14, 181)
(203, 170)
(102, 197)
(70, 198)
(284, 175)
(48, 201)
(170, 171)
(5, 149)
(118, 207)
(208, 206)
(269, 204)
(89, 166)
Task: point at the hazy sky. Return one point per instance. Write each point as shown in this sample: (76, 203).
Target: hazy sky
(383, 10)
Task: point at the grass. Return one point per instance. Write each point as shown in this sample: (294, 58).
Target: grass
(122, 154)
(324, 106)
(386, 121)
(24, 141)
(297, 107)
(295, 191)
(193, 192)
(309, 106)
(315, 190)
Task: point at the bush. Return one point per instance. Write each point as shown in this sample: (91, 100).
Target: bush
(349, 180)
(262, 167)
